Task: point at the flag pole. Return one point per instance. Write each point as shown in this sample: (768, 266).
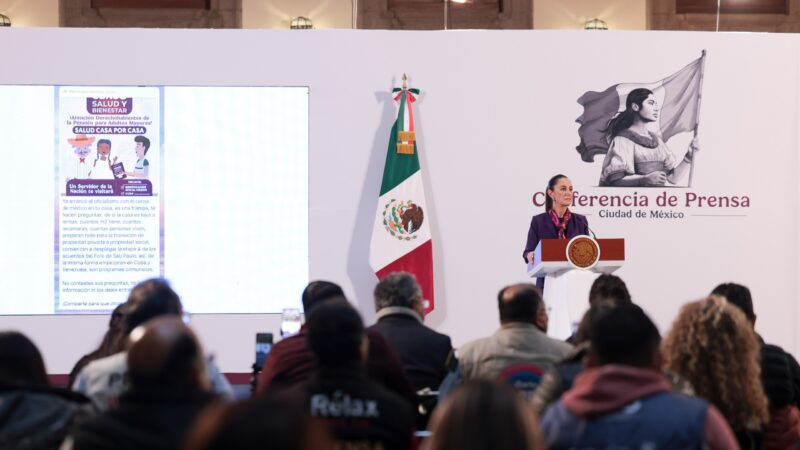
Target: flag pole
(697, 119)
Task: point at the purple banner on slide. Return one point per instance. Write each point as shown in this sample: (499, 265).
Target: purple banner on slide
(109, 188)
(136, 188)
(109, 106)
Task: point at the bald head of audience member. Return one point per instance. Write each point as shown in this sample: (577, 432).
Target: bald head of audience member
(165, 353)
(149, 299)
(522, 303)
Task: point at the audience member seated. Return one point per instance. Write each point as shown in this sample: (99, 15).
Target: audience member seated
(606, 286)
(714, 348)
(622, 400)
(112, 343)
(33, 415)
(780, 376)
(361, 414)
(609, 286)
(291, 361)
(483, 415)
(607, 291)
(560, 378)
(520, 345)
(400, 314)
(271, 421)
(105, 379)
(169, 388)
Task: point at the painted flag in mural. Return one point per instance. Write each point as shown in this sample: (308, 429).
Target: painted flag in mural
(678, 96)
(401, 236)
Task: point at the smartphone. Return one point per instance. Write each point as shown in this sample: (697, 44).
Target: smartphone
(263, 346)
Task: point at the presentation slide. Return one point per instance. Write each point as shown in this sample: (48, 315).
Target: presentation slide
(110, 185)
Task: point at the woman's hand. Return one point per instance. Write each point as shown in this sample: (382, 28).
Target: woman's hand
(530, 257)
(657, 178)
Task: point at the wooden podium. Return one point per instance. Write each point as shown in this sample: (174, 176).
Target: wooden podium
(566, 286)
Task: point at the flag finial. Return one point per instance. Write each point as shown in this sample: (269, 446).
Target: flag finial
(405, 78)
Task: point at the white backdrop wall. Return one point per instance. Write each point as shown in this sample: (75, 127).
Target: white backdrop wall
(494, 122)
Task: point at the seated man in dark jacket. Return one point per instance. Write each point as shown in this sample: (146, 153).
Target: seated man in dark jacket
(360, 413)
(424, 352)
(169, 388)
(290, 361)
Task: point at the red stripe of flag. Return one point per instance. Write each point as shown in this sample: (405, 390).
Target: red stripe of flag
(419, 262)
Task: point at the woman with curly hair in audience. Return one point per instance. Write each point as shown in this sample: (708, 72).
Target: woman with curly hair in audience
(712, 346)
(484, 415)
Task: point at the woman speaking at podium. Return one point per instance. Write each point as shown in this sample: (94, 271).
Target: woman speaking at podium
(557, 222)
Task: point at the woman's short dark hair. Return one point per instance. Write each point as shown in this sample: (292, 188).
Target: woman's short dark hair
(484, 415)
(739, 296)
(20, 361)
(623, 334)
(609, 287)
(335, 332)
(624, 120)
(551, 185)
(148, 299)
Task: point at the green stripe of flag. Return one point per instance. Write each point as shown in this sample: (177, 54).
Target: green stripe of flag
(398, 167)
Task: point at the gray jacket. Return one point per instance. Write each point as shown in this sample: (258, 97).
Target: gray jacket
(513, 343)
(104, 380)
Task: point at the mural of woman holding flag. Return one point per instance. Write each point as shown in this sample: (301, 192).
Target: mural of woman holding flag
(630, 124)
(637, 156)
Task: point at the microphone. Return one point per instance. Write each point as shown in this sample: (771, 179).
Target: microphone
(594, 236)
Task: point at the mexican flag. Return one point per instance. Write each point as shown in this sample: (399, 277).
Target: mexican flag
(678, 96)
(401, 236)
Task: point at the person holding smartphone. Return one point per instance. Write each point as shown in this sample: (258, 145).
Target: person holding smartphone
(291, 362)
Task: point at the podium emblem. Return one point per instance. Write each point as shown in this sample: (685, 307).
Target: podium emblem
(583, 252)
